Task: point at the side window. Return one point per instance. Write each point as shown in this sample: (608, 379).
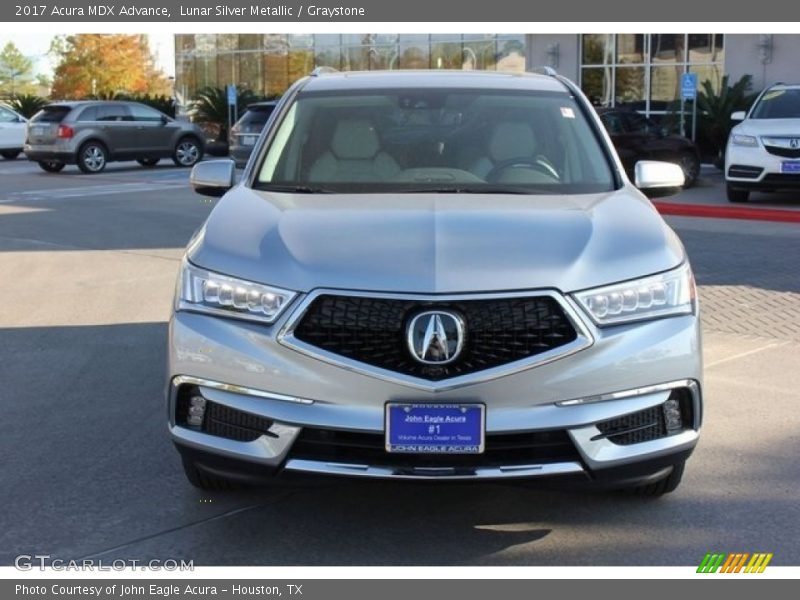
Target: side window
(89, 114)
(140, 112)
(613, 123)
(6, 116)
(112, 112)
(637, 123)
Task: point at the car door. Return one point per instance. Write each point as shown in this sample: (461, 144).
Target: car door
(117, 129)
(154, 131)
(12, 130)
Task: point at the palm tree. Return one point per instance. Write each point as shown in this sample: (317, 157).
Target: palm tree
(27, 104)
(715, 109)
(211, 108)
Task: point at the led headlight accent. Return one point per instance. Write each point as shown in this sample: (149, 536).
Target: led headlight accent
(666, 294)
(204, 291)
(739, 139)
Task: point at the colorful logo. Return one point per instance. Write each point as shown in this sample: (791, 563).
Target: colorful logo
(735, 562)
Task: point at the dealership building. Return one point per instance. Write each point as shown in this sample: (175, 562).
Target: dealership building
(642, 70)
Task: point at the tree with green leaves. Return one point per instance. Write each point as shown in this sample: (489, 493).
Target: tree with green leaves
(210, 108)
(16, 71)
(102, 65)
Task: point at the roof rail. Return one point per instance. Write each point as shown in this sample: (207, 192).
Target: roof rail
(544, 70)
(323, 71)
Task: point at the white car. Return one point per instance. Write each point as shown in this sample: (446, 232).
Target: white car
(763, 152)
(12, 132)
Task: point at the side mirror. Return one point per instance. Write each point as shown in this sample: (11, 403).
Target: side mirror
(739, 115)
(164, 119)
(658, 179)
(213, 178)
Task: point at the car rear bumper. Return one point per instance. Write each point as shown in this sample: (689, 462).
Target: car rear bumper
(49, 154)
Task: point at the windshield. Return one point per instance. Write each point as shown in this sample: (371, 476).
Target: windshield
(778, 104)
(435, 141)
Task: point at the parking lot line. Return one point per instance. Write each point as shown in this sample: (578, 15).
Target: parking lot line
(84, 191)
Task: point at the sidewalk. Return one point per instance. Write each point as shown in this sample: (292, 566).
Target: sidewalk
(707, 199)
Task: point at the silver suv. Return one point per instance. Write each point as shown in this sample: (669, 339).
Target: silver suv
(91, 134)
(435, 276)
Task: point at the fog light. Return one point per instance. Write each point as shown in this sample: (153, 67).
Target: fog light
(197, 411)
(672, 415)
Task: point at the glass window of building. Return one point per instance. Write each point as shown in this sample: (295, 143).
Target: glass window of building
(268, 64)
(644, 71)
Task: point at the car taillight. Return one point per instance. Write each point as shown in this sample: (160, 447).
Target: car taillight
(65, 132)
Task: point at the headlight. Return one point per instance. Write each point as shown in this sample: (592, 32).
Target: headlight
(212, 293)
(667, 294)
(744, 140)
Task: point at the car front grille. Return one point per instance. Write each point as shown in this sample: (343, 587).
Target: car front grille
(369, 448)
(373, 331)
(784, 152)
(779, 180)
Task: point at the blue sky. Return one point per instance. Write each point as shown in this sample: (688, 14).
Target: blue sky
(36, 45)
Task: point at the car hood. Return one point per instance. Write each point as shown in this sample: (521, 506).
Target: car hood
(777, 127)
(434, 243)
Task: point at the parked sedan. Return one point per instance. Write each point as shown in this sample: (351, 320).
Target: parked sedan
(91, 134)
(638, 138)
(12, 132)
(245, 132)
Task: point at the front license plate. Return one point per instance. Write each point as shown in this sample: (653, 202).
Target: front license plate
(435, 428)
(790, 166)
(248, 140)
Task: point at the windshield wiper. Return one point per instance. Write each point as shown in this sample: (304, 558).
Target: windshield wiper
(469, 190)
(293, 189)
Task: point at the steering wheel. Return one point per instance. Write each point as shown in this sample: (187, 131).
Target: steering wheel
(539, 163)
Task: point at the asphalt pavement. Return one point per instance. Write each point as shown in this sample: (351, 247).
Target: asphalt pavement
(88, 266)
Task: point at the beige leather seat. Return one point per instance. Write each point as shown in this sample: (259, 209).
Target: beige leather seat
(508, 140)
(355, 155)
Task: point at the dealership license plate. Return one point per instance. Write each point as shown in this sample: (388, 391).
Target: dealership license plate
(435, 428)
(248, 140)
(790, 166)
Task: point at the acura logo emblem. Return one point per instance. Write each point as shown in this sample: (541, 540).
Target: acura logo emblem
(436, 337)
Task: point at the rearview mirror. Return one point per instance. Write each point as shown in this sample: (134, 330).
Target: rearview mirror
(213, 177)
(739, 115)
(658, 179)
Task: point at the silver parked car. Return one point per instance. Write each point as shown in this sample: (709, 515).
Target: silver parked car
(436, 276)
(91, 134)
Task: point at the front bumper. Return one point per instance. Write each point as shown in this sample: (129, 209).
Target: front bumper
(242, 366)
(753, 168)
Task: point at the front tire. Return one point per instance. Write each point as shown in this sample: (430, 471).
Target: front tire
(10, 154)
(737, 195)
(92, 157)
(690, 165)
(663, 486)
(205, 481)
(51, 166)
(187, 152)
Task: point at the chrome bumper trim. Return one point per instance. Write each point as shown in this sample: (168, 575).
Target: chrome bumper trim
(269, 450)
(236, 389)
(446, 473)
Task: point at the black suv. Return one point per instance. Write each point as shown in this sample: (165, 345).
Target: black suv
(638, 138)
(244, 134)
